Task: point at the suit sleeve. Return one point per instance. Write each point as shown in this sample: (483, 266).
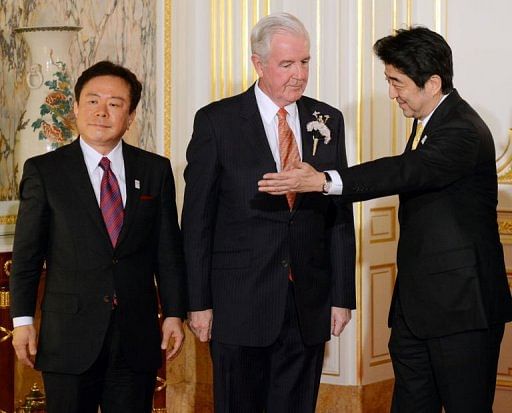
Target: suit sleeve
(199, 210)
(450, 154)
(342, 252)
(171, 266)
(30, 242)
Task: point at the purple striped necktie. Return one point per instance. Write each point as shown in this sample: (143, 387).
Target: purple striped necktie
(111, 203)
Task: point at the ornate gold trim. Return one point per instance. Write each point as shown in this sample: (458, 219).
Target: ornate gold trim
(163, 384)
(384, 237)
(8, 219)
(505, 226)
(7, 267)
(504, 380)
(359, 155)
(504, 163)
(390, 271)
(8, 334)
(5, 299)
(167, 77)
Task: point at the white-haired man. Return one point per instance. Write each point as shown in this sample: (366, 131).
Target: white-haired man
(270, 278)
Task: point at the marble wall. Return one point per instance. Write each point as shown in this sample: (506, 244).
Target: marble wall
(123, 31)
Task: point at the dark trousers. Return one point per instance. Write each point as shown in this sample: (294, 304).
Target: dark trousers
(283, 377)
(108, 383)
(457, 372)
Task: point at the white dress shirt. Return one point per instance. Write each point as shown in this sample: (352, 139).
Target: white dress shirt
(268, 111)
(92, 159)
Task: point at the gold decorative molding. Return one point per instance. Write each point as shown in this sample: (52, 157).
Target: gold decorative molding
(8, 219)
(504, 380)
(386, 270)
(7, 334)
(382, 224)
(5, 299)
(505, 226)
(7, 267)
(504, 163)
(167, 77)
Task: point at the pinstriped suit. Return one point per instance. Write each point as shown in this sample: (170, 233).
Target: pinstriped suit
(240, 243)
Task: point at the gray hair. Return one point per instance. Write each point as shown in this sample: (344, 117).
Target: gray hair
(268, 26)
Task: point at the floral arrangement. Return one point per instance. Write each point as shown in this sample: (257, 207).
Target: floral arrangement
(319, 129)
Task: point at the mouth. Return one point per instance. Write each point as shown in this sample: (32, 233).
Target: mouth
(99, 125)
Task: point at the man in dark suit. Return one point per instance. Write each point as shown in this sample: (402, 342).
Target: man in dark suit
(101, 214)
(451, 298)
(269, 277)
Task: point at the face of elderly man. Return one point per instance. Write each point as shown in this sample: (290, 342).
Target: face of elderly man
(283, 73)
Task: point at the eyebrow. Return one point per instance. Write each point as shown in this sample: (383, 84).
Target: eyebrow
(392, 78)
(109, 97)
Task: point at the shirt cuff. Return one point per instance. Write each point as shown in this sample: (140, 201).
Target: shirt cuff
(22, 321)
(336, 183)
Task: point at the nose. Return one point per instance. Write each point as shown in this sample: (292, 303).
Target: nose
(300, 71)
(101, 111)
(392, 92)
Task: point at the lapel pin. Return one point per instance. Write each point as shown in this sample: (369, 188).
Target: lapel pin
(137, 184)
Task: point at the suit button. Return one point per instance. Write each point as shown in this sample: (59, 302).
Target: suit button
(115, 261)
(284, 263)
(106, 298)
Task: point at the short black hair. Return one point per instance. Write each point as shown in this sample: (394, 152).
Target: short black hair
(419, 53)
(107, 68)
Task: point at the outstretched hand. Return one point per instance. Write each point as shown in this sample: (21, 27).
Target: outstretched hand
(304, 178)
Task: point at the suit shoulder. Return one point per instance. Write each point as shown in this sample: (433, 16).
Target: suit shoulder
(148, 156)
(320, 106)
(223, 105)
(51, 157)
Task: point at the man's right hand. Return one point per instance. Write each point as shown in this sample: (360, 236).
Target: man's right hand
(200, 322)
(24, 341)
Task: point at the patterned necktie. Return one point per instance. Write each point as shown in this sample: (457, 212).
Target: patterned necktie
(111, 203)
(417, 136)
(288, 150)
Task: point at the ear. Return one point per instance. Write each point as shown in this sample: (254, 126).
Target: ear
(75, 108)
(131, 117)
(435, 84)
(258, 64)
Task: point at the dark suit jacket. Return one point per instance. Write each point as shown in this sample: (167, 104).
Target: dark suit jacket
(59, 221)
(240, 243)
(451, 272)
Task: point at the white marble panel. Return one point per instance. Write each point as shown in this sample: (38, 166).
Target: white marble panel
(123, 31)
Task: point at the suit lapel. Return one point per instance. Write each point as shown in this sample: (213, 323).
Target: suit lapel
(134, 174)
(81, 185)
(305, 116)
(256, 136)
(437, 117)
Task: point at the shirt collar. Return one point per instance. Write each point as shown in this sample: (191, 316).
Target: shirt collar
(427, 118)
(92, 157)
(268, 109)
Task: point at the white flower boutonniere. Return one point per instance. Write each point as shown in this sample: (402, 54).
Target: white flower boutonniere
(319, 129)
